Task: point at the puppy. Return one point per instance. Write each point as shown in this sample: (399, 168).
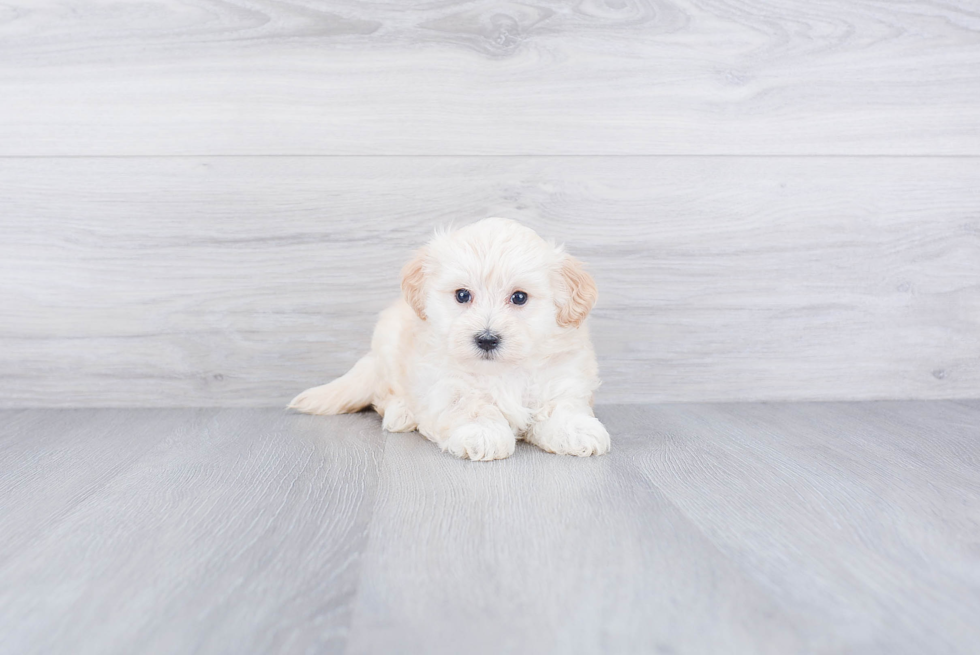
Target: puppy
(487, 345)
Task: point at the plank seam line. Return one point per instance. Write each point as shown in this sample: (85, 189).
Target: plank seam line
(354, 603)
(513, 156)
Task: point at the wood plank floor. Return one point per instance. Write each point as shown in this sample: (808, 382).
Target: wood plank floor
(737, 528)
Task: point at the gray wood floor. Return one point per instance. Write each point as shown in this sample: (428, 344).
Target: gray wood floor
(737, 528)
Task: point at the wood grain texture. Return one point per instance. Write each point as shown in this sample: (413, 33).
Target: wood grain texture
(202, 77)
(736, 528)
(859, 520)
(240, 281)
(546, 554)
(854, 514)
(226, 532)
(53, 462)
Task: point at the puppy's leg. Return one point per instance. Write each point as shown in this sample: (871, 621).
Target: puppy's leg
(351, 392)
(472, 429)
(569, 429)
(397, 416)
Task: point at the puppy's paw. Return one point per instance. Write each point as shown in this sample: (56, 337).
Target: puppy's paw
(398, 417)
(571, 434)
(481, 441)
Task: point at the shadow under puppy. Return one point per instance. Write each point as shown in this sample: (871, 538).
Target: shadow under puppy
(487, 345)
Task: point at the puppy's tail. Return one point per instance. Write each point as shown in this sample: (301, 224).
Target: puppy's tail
(351, 392)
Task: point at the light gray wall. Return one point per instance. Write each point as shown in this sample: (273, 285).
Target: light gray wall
(207, 203)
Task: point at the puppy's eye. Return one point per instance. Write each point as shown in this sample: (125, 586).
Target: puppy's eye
(463, 296)
(519, 298)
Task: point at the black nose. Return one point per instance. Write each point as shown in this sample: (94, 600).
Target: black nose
(487, 341)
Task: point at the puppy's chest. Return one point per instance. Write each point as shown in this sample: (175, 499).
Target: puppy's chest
(517, 395)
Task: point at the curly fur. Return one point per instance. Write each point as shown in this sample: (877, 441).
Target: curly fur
(426, 373)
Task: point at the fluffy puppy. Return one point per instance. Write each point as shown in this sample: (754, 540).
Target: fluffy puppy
(487, 345)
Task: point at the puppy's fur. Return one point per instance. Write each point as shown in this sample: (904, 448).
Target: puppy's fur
(427, 369)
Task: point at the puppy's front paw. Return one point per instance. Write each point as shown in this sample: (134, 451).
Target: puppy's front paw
(481, 441)
(571, 434)
(398, 417)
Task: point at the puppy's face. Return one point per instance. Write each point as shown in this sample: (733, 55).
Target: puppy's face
(496, 293)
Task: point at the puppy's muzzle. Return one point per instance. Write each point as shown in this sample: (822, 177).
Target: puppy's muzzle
(487, 341)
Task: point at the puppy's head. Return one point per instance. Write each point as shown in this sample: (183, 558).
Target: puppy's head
(495, 291)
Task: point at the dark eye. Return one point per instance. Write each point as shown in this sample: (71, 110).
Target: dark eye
(519, 298)
(462, 296)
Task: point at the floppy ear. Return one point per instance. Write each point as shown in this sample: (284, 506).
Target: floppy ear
(413, 283)
(579, 294)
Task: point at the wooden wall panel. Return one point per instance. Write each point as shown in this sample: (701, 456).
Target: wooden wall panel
(240, 281)
(236, 77)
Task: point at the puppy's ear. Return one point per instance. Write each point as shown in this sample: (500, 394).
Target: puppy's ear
(413, 282)
(577, 293)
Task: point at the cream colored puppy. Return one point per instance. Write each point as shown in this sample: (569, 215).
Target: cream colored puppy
(488, 345)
